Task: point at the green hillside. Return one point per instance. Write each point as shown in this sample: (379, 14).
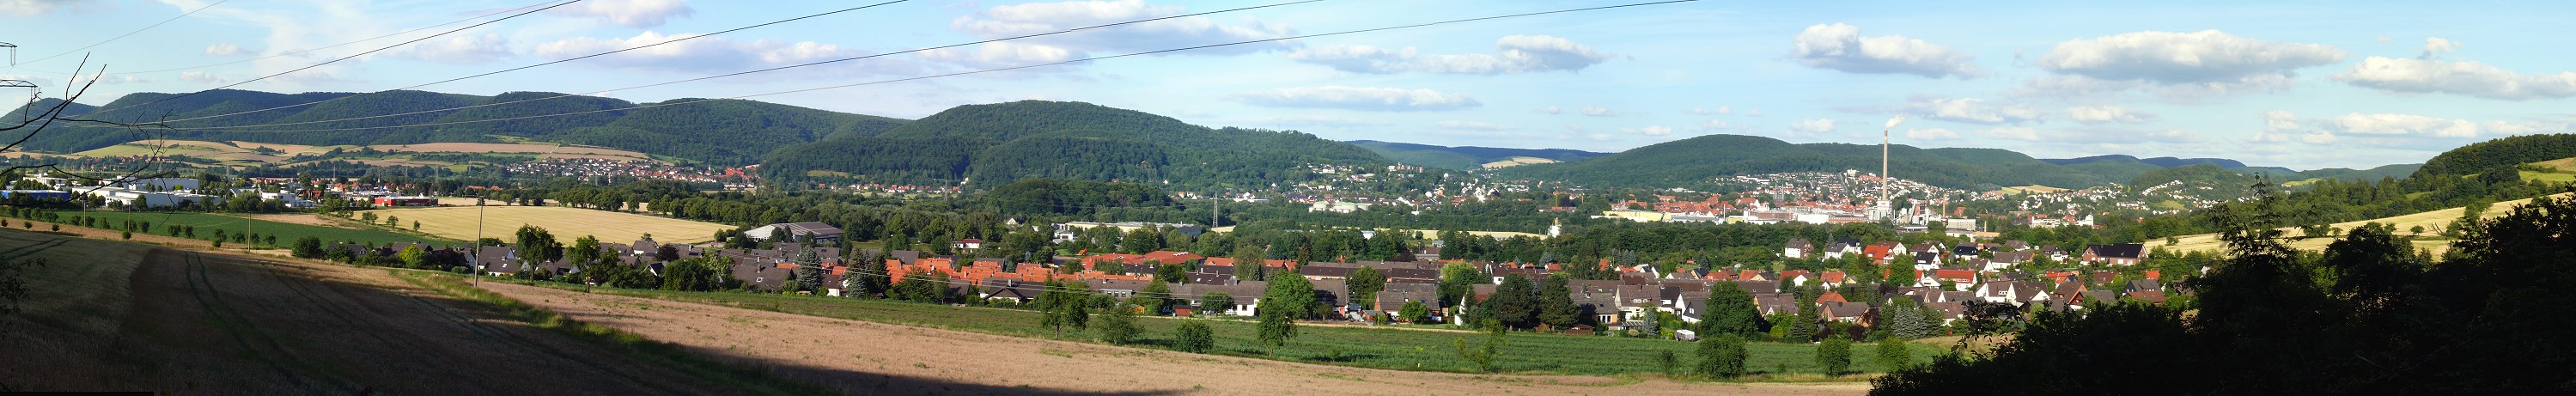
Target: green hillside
(720, 132)
(2505, 152)
(995, 144)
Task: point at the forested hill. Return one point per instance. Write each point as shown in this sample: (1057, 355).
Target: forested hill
(719, 132)
(995, 144)
(1465, 157)
(1694, 161)
(2506, 152)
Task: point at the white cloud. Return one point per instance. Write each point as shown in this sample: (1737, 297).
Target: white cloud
(2320, 137)
(1970, 110)
(2457, 78)
(1514, 54)
(2014, 133)
(1314, 121)
(718, 54)
(1034, 18)
(465, 50)
(1358, 98)
(1930, 134)
(34, 7)
(2203, 57)
(2393, 130)
(2401, 124)
(1655, 130)
(199, 77)
(2108, 114)
(1714, 125)
(1599, 137)
(1597, 111)
(628, 13)
(2181, 67)
(2170, 135)
(1550, 110)
(227, 49)
(1471, 126)
(1813, 126)
(1721, 110)
(2276, 125)
(125, 78)
(2435, 46)
(1753, 113)
(1840, 47)
(997, 55)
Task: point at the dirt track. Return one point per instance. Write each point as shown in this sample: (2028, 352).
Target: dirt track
(201, 322)
(877, 358)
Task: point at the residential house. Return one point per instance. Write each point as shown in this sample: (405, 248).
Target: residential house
(1798, 249)
(2115, 254)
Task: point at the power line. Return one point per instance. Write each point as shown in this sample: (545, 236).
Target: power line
(523, 13)
(547, 63)
(735, 73)
(122, 36)
(676, 103)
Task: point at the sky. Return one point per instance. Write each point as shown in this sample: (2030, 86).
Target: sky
(2303, 85)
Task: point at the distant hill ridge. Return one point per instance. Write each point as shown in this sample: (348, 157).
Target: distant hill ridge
(1696, 160)
(721, 132)
(994, 144)
(1465, 157)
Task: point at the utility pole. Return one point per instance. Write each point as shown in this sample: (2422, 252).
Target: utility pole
(477, 253)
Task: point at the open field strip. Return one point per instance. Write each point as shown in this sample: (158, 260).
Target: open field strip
(207, 223)
(2432, 221)
(458, 222)
(1403, 349)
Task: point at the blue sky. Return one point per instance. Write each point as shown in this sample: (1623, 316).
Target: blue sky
(2304, 85)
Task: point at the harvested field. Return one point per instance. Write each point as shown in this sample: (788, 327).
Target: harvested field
(295, 218)
(121, 316)
(879, 358)
(458, 222)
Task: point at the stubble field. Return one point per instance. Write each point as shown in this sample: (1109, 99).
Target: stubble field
(458, 222)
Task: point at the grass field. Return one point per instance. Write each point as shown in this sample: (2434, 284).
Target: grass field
(566, 223)
(1353, 346)
(286, 232)
(2433, 222)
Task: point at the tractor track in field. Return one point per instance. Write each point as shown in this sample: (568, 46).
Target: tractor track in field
(201, 288)
(514, 340)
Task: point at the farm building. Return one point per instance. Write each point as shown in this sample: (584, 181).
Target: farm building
(813, 231)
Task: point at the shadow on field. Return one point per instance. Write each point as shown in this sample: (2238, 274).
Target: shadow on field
(189, 322)
(863, 383)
